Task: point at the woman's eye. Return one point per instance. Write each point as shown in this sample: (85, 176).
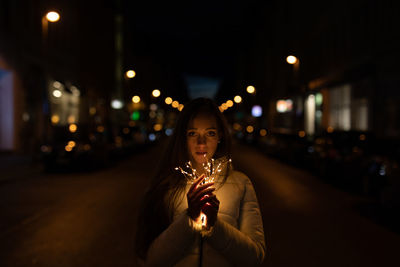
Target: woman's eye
(211, 133)
(190, 134)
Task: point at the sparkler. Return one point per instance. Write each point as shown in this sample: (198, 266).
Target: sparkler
(211, 171)
(210, 168)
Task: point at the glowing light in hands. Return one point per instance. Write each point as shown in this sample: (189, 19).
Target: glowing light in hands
(211, 171)
(210, 168)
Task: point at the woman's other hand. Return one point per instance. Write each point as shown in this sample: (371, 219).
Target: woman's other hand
(198, 196)
(210, 209)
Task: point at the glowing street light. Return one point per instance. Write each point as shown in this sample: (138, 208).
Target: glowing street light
(73, 127)
(117, 104)
(156, 93)
(237, 99)
(130, 74)
(251, 89)
(52, 16)
(175, 104)
(57, 93)
(291, 59)
(168, 100)
(136, 99)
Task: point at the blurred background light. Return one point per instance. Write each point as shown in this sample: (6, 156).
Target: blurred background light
(168, 100)
(237, 99)
(256, 111)
(117, 104)
(251, 89)
(136, 99)
(130, 74)
(53, 16)
(57, 93)
(291, 59)
(156, 93)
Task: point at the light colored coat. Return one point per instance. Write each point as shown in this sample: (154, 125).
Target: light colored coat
(237, 238)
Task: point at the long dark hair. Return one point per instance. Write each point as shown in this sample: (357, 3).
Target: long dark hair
(167, 185)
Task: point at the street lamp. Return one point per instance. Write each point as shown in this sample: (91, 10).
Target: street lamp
(156, 93)
(136, 99)
(51, 16)
(130, 74)
(237, 99)
(251, 89)
(44, 119)
(293, 60)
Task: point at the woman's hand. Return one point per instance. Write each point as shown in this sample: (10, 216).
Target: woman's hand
(210, 209)
(198, 196)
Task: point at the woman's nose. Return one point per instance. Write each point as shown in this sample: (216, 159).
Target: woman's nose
(201, 139)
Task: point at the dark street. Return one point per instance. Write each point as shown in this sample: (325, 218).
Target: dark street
(88, 219)
(90, 91)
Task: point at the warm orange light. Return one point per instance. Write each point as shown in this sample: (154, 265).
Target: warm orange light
(291, 59)
(71, 119)
(224, 106)
(362, 137)
(263, 132)
(100, 129)
(130, 74)
(71, 143)
(168, 100)
(157, 127)
(53, 16)
(251, 89)
(237, 99)
(180, 107)
(281, 106)
(302, 134)
(329, 129)
(203, 219)
(237, 126)
(229, 103)
(92, 111)
(249, 129)
(175, 104)
(55, 119)
(156, 93)
(125, 130)
(118, 141)
(72, 128)
(136, 99)
(87, 147)
(68, 148)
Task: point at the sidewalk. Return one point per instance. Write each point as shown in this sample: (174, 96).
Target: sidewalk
(17, 166)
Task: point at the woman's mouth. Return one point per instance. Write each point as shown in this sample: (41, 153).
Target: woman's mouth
(201, 153)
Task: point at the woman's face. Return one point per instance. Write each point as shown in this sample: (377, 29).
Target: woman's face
(202, 139)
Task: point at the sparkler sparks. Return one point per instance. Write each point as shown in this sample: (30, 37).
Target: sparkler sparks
(211, 171)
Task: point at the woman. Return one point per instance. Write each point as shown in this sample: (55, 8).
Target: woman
(170, 231)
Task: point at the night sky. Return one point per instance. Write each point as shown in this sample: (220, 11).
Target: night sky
(201, 42)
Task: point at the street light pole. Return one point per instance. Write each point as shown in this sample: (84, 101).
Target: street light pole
(51, 16)
(44, 121)
(292, 60)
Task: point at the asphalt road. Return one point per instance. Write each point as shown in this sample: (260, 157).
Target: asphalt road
(88, 219)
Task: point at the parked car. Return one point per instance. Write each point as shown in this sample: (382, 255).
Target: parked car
(341, 157)
(382, 178)
(65, 151)
(289, 148)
